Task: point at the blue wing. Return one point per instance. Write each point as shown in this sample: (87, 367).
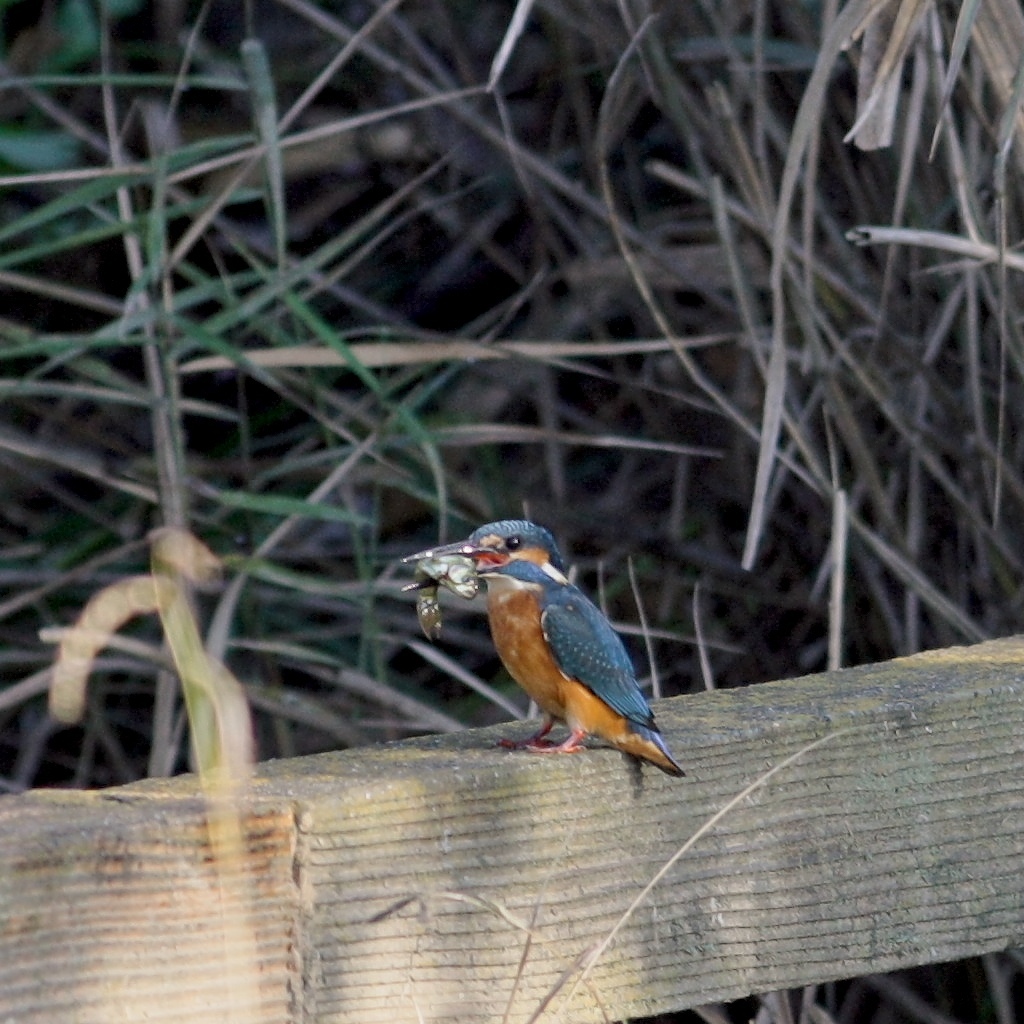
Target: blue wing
(588, 649)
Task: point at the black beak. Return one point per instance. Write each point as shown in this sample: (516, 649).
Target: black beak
(460, 547)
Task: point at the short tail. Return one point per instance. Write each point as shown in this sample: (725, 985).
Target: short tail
(647, 744)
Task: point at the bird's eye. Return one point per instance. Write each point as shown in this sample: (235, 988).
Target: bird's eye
(514, 543)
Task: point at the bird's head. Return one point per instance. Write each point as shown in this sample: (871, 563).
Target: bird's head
(494, 546)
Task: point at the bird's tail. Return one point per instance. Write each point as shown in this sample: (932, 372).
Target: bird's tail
(647, 744)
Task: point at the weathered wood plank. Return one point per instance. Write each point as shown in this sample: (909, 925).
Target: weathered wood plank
(111, 909)
(897, 842)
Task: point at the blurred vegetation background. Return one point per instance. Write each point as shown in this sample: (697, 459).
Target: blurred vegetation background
(726, 294)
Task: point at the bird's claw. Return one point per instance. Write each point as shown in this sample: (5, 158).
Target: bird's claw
(532, 743)
(538, 745)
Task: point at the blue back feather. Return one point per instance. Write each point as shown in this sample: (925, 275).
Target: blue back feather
(584, 644)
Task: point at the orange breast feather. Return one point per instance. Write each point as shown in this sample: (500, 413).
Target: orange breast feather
(522, 647)
(519, 639)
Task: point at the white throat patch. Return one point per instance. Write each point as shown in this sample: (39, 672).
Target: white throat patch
(549, 570)
(500, 585)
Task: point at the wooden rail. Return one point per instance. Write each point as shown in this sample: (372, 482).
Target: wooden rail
(443, 879)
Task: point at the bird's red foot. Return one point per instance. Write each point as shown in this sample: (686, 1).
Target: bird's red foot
(573, 745)
(538, 745)
(517, 744)
(530, 743)
(535, 741)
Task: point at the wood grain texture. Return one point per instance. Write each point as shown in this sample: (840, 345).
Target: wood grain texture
(897, 842)
(112, 909)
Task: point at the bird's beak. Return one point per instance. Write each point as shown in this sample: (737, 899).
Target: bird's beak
(460, 547)
(482, 556)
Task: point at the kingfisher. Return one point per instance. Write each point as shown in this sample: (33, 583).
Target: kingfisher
(558, 645)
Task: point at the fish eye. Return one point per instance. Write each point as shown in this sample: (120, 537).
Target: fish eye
(514, 543)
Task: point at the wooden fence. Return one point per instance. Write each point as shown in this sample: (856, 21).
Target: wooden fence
(445, 880)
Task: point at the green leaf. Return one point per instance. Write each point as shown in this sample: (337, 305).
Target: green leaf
(26, 149)
(278, 505)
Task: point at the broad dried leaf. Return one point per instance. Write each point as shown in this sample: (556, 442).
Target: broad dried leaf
(888, 38)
